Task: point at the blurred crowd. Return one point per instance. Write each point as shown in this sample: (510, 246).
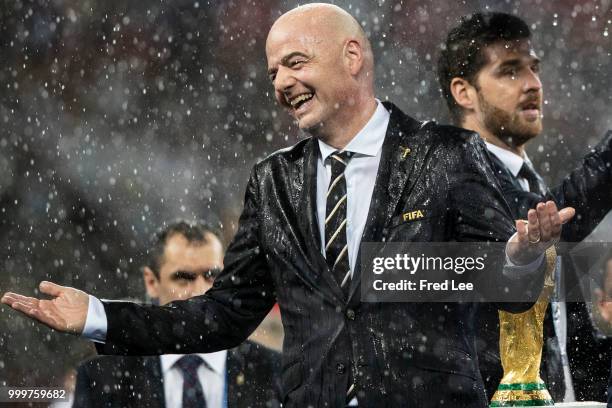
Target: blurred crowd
(118, 116)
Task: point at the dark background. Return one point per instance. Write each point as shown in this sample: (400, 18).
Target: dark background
(115, 117)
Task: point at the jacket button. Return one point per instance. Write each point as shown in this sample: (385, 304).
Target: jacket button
(350, 314)
(340, 368)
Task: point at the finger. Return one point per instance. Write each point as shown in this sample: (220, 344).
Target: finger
(521, 231)
(533, 230)
(28, 302)
(35, 313)
(9, 298)
(555, 220)
(544, 222)
(567, 214)
(50, 288)
(24, 308)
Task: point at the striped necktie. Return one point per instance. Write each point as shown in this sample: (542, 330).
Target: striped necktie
(193, 395)
(336, 248)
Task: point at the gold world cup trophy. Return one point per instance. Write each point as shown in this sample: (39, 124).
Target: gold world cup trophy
(520, 349)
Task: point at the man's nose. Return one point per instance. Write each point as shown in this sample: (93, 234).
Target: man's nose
(532, 82)
(284, 80)
(199, 286)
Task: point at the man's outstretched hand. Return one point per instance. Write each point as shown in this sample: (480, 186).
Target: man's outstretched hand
(541, 231)
(66, 310)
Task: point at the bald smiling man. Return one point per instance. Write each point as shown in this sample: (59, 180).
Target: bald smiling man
(306, 211)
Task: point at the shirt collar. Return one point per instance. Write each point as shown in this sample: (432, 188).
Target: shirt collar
(511, 160)
(368, 140)
(214, 361)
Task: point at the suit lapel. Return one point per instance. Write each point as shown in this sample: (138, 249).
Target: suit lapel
(501, 167)
(306, 206)
(235, 378)
(394, 179)
(154, 387)
(306, 209)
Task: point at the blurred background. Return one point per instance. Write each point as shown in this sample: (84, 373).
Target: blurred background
(117, 116)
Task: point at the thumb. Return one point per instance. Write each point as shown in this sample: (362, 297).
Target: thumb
(566, 214)
(50, 288)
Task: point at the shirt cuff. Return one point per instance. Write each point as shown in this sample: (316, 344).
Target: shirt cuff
(96, 323)
(518, 271)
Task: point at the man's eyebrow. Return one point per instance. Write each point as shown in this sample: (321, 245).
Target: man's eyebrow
(207, 273)
(285, 60)
(534, 59)
(515, 62)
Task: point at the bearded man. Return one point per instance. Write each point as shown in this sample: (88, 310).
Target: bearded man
(490, 77)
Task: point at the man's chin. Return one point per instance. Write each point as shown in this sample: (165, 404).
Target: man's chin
(532, 130)
(307, 124)
(524, 135)
(529, 129)
(520, 133)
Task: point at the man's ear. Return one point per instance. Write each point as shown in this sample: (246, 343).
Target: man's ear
(353, 56)
(151, 282)
(464, 93)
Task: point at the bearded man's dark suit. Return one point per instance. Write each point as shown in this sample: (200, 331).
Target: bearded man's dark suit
(589, 190)
(253, 380)
(399, 354)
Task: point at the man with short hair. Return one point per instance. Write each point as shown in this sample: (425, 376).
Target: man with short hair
(306, 211)
(183, 262)
(489, 76)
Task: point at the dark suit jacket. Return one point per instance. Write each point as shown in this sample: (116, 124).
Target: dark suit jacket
(589, 190)
(610, 388)
(253, 375)
(399, 354)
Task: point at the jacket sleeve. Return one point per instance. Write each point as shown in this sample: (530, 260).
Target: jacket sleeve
(222, 318)
(482, 215)
(588, 189)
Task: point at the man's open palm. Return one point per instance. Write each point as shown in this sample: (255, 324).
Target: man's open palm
(66, 310)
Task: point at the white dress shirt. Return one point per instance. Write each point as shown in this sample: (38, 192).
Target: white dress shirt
(211, 373)
(512, 161)
(360, 175)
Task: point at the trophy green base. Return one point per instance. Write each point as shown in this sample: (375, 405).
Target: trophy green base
(522, 395)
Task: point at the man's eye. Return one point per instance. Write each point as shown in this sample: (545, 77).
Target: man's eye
(183, 278)
(272, 77)
(296, 63)
(536, 68)
(509, 72)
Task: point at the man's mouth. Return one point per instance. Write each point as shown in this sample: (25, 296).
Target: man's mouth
(297, 101)
(531, 110)
(530, 106)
